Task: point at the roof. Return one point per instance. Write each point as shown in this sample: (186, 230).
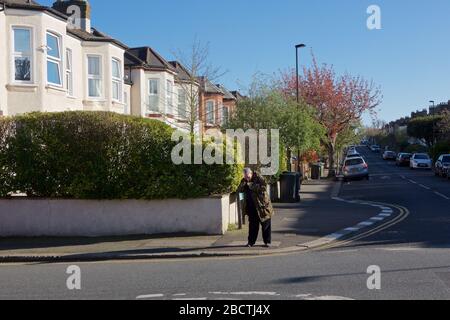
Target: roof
(227, 94)
(147, 58)
(209, 87)
(32, 5)
(96, 35)
(183, 74)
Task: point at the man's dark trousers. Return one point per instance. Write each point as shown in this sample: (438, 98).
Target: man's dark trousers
(254, 223)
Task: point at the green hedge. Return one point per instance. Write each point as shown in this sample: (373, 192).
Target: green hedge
(99, 155)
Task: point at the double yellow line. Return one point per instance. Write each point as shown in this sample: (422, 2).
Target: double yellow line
(404, 213)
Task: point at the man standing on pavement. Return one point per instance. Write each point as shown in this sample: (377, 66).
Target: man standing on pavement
(257, 207)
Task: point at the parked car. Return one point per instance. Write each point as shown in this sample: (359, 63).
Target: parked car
(353, 156)
(403, 159)
(420, 161)
(375, 148)
(389, 155)
(355, 168)
(442, 166)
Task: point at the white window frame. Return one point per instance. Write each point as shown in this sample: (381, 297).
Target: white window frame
(151, 94)
(95, 77)
(169, 96)
(15, 54)
(69, 72)
(117, 81)
(225, 120)
(56, 60)
(182, 103)
(207, 113)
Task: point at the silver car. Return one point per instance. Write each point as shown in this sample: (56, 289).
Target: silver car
(355, 168)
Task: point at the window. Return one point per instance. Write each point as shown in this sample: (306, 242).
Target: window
(210, 116)
(225, 115)
(169, 96)
(53, 59)
(69, 73)
(153, 93)
(22, 54)
(94, 77)
(181, 103)
(116, 80)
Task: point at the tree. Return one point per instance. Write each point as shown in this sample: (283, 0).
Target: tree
(197, 66)
(444, 125)
(266, 108)
(425, 128)
(340, 101)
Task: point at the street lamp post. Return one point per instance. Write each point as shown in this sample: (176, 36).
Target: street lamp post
(297, 47)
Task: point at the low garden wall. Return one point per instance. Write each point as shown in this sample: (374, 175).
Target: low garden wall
(103, 161)
(94, 218)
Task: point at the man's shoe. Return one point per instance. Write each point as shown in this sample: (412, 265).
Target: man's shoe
(267, 245)
(250, 245)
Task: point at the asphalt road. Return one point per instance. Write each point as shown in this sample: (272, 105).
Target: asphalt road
(413, 256)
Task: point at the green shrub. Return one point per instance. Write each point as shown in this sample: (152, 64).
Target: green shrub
(100, 155)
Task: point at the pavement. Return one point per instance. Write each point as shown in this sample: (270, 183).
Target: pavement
(313, 223)
(411, 252)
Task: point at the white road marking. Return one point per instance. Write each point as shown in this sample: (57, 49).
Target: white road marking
(377, 218)
(150, 296)
(425, 187)
(366, 224)
(323, 298)
(385, 214)
(353, 229)
(251, 293)
(335, 236)
(180, 295)
(441, 195)
(193, 299)
(412, 181)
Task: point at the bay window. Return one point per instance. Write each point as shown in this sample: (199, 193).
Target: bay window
(225, 115)
(94, 76)
(116, 80)
(22, 54)
(54, 59)
(181, 103)
(169, 97)
(153, 95)
(69, 73)
(210, 116)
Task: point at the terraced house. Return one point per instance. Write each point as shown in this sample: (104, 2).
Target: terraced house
(53, 60)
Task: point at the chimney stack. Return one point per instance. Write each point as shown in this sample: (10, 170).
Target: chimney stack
(79, 12)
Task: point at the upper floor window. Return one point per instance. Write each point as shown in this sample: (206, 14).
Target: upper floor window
(153, 94)
(54, 59)
(94, 76)
(225, 115)
(22, 54)
(116, 80)
(182, 103)
(210, 112)
(169, 96)
(69, 72)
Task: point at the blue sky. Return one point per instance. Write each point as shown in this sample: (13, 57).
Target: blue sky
(409, 58)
